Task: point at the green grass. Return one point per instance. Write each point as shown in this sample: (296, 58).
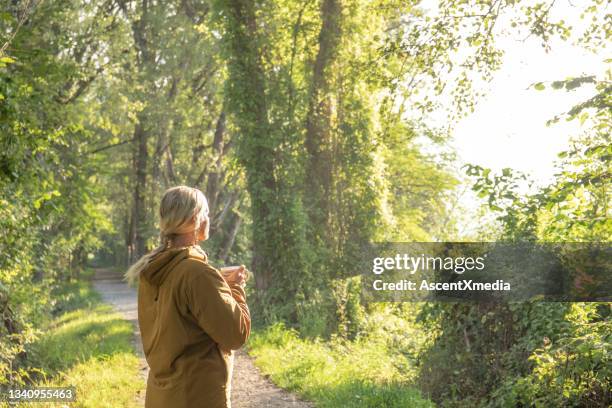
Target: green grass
(90, 347)
(334, 374)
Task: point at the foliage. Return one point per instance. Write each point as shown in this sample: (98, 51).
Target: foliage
(90, 347)
(507, 355)
(534, 353)
(42, 175)
(302, 121)
(85, 344)
(335, 374)
(316, 144)
(573, 371)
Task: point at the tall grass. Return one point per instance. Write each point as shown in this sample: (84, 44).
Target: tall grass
(335, 373)
(88, 346)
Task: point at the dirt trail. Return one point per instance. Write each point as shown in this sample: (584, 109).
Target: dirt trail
(250, 389)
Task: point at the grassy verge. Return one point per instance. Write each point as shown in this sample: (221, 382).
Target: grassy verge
(334, 374)
(88, 346)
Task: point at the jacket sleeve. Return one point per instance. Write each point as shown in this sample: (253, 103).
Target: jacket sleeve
(221, 310)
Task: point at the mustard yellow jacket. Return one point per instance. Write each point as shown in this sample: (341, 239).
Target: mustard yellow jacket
(190, 320)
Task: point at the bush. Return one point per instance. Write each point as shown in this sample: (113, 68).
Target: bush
(85, 345)
(520, 354)
(337, 373)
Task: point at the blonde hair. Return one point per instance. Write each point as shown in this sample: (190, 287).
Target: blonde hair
(180, 207)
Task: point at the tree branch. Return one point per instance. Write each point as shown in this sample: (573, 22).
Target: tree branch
(108, 147)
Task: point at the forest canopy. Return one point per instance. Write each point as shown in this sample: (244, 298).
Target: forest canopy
(303, 122)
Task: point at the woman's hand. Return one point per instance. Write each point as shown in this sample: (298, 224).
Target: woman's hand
(234, 274)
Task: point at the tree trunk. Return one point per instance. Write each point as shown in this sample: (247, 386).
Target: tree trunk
(256, 150)
(170, 173)
(213, 181)
(230, 237)
(129, 237)
(139, 216)
(319, 140)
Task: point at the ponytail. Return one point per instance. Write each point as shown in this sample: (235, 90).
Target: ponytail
(133, 273)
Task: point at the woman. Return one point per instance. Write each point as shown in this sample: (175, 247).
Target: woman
(191, 315)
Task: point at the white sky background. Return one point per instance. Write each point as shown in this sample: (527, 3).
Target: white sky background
(508, 127)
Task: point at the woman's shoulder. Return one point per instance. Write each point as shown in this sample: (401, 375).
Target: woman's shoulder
(196, 274)
(195, 252)
(196, 262)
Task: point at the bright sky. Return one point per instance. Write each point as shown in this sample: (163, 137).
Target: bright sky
(508, 127)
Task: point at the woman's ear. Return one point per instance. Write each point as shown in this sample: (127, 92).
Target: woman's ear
(203, 229)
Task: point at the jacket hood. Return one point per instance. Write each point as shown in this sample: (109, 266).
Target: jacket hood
(158, 268)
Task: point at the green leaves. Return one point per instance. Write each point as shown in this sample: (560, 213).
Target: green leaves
(47, 196)
(5, 60)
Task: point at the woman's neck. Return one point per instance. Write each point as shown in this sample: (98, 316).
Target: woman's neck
(182, 240)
